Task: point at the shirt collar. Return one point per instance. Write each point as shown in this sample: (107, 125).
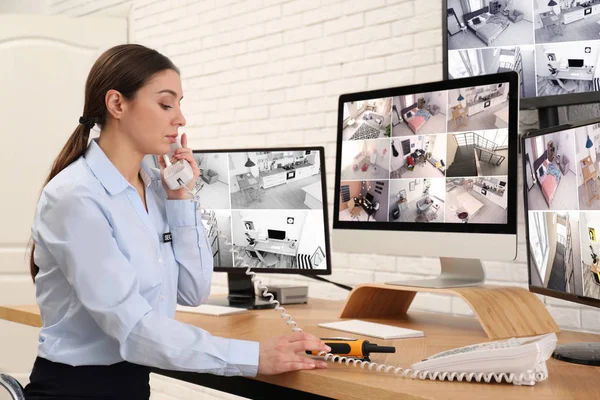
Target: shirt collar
(108, 175)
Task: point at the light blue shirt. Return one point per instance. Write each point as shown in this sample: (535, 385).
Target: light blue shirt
(108, 284)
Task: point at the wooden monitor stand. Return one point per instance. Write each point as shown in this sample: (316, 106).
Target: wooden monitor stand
(503, 312)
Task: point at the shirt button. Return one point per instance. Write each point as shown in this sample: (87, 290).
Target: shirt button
(160, 260)
(162, 297)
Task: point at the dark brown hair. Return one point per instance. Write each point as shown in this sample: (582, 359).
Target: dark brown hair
(125, 68)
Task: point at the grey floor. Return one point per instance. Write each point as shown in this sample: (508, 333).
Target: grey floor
(489, 213)
(515, 34)
(423, 170)
(349, 175)
(564, 199)
(214, 196)
(584, 29)
(558, 277)
(435, 124)
(488, 169)
(583, 203)
(529, 81)
(558, 274)
(284, 261)
(226, 257)
(409, 213)
(287, 196)
(481, 121)
(576, 240)
(547, 88)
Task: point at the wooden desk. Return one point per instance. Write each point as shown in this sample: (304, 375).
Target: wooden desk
(552, 22)
(247, 182)
(590, 174)
(459, 112)
(442, 332)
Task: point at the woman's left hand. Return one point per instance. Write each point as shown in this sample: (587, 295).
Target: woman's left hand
(182, 153)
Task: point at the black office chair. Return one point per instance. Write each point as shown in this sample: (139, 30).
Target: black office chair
(13, 387)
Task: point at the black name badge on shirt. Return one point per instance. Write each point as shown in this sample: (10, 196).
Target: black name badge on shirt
(167, 237)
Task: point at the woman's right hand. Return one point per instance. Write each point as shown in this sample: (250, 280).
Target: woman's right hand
(282, 354)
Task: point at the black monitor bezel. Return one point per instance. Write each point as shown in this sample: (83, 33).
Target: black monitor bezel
(532, 288)
(327, 250)
(509, 228)
(276, 230)
(528, 103)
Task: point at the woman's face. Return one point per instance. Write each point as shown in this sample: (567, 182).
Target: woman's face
(154, 116)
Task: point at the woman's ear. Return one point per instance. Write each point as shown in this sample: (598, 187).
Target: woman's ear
(115, 104)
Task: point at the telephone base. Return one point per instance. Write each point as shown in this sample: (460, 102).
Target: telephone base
(503, 312)
(579, 353)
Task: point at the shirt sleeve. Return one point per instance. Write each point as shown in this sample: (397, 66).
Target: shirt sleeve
(192, 252)
(76, 230)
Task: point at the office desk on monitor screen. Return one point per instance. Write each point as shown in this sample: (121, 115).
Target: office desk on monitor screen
(276, 246)
(576, 73)
(442, 332)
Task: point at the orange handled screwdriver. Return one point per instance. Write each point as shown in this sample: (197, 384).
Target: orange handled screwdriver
(358, 348)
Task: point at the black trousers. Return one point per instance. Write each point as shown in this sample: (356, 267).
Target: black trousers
(50, 380)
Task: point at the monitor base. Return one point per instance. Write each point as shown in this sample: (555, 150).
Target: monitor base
(579, 353)
(503, 312)
(241, 293)
(456, 272)
(241, 302)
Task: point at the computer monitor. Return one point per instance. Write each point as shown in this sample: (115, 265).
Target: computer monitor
(537, 39)
(274, 217)
(440, 163)
(562, 216)
(577, 63)
(274, 234)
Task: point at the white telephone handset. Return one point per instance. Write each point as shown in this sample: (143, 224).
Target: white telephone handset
(179, 174)
(520, 361)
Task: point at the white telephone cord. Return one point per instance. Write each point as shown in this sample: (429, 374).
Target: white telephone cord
(529, 377)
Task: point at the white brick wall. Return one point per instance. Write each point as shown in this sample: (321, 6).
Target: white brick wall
(254, 72)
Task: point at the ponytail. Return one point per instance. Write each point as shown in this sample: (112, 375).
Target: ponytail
(124, 68)
(73, 149)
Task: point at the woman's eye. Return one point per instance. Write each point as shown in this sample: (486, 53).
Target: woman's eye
(166, 107)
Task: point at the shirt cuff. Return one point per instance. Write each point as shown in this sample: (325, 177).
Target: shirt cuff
(243, 358)
(181, 212)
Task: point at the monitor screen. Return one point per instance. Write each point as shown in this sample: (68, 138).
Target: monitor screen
(555, 49)
(273, 234)
(578, 63)
(437, 155)
(562, 197)
(271, 205)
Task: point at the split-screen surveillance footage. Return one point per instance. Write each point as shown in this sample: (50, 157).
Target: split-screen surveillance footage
(562, 182)
(267, 205)
(554, 46)
(430, 157)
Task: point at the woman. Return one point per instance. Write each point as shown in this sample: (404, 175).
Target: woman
(107, 284)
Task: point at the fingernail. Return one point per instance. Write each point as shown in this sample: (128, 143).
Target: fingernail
(327, 348)
(322, 364)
